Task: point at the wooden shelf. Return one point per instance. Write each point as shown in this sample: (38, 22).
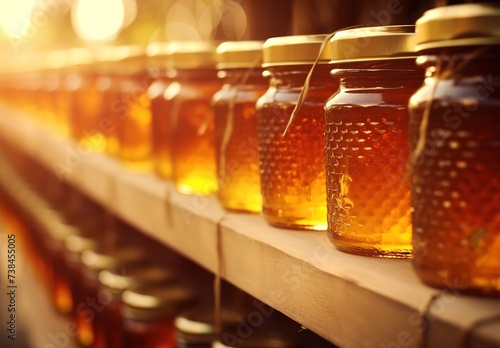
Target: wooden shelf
(350, 300)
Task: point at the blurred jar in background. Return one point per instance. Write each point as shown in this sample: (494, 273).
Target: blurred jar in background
(149, 313)
(62, 95)
(158, 68)
(108, 324)
(86, 101)
(192, 121)
(236, 125)
(367, 140)
(259, 339)
(132, 113)
(455, 165)
(292, 168)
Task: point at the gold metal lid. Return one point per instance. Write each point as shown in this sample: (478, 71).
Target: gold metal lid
(98, 261)
(135, 276)
(78, 244)
(122, 60)
(156, 302)
(158, 55)
(459, 25)
(295, 50)
(239, 54)
(192, 54)
(373, 43)
(79, 57)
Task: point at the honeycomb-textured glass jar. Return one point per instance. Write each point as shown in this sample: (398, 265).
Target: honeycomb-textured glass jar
(236, 125)
(456, 163)
(367, 141)
(292, 168)
(192, 121)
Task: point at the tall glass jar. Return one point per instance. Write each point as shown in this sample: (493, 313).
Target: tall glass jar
(159, 68)
(192, 120)
(236, 125)
(454, 131)
(132, 109)
(149, 313)
(292, 168)
(86, 101)
(367, 148)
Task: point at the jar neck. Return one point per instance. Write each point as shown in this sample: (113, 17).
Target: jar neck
(193, 75)
(389, 74)
(291, 77)
(244, 76)
(461, 61)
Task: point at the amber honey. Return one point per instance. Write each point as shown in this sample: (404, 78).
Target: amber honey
(368, 193)
(455, 163)
(292, 168)
(236, 141)
(192, 119)
(158, 67)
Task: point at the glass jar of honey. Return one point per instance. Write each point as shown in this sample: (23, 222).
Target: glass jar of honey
(190, 111)
(108, 324)
(292, 167)
(455, 166)
(88, 291)
(87, 100)
(149, 312)
(132, 110)
(236, 125)
(159, 68)
(367, 148)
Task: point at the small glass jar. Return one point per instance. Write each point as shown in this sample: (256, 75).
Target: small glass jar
(368, 196)
(259, 339)
(149, 313)
(292, 168)
(236, 125)
(133, 114)
(108, 324)
(192, 120)
(90, 297)
(158, 68)
(87, 100)
(196, 328)
(454, 132)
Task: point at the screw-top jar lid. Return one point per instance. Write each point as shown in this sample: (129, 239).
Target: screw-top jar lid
(157, 301)
(158, 55)
(295, 50)
(459, 25)
(192, 54)
(79, 58)
(135, 276)
(239, 54)
(122, 60)
(370, 43)
(261, 339)
(197, 325)
(98, 261)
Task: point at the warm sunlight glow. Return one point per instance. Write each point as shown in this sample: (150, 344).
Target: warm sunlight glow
(15, 17)
(97, 20)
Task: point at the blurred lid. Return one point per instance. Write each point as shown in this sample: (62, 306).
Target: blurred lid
(78, 244)
(122, 60)
(136, 276)
(260, 339)
(156, 302)
(239, 54)
(197, 326)
(459, 25)
(373, 43)
(158, 55)
(98, 261)
(192, 54)
(295, 50)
